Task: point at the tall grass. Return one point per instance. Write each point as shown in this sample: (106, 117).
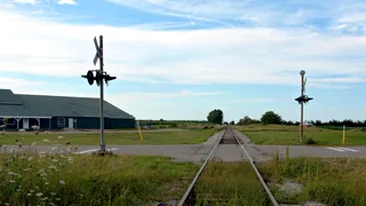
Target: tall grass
(67, 179)
(332, 181)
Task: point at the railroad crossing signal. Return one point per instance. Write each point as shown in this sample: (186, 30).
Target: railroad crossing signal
(100, 75)
(99, 52)
(98, 78)
(301, 100)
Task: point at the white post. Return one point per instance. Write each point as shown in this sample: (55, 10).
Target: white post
(39, 122)
(18, 119)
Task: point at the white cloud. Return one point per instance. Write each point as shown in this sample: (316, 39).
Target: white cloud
(69, 2)
(144, 96)
(236, 55)
(14, 83)
(25, 1)
(161, 25)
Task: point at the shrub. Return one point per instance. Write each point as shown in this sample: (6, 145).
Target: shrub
(309, 141)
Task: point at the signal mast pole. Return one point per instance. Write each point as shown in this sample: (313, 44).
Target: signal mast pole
(302, 73)
(101, 100)
(301, 100)
(99, 77)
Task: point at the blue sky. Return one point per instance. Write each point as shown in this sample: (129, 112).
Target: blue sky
(181, 59)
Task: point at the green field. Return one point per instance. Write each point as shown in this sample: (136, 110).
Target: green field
(142, 180)
(289, 135)
(188, 136)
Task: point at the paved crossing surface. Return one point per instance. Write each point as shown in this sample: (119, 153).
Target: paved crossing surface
(342, 149)
(197, 152)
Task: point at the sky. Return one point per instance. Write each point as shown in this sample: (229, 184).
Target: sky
(178, 60)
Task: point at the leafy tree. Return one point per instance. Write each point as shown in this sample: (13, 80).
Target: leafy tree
(216, 116)
(271, 118)
(247, 121)
(225, 123)
(232, 123)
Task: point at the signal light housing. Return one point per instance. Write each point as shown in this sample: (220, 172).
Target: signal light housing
(98, 77)
(304, 98)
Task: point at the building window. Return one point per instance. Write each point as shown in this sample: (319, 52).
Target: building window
(61, 122)
(11, 121)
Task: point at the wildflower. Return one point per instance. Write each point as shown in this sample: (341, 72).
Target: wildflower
(46, 140)
(30, 158)
(51, 203)
(45, 198)
(22, 157)
(11, 181)
(19, 190)
(41, 171)
(12, 173)
(53, 193)
(6, 203)
(60, 137)
(26, 169)
(52, 167)
(58, 199)
(39, 194)
(54, 160)
(62, 182)
(31, 190)
(34, 143)
(29, 194)
(47, 183)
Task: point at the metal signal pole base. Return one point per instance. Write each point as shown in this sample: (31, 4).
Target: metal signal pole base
(102, 149)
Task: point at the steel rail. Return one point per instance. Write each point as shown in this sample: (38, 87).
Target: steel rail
(189, 190)
(273, 199)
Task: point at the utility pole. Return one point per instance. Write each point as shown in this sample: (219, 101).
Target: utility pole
(99, 77)
(301, 100)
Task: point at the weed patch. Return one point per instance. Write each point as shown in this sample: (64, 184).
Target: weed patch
(230, 184)
(332, 181)
(66, 179)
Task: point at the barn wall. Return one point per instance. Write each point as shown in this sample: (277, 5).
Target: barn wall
(81, 123)
(119, 123)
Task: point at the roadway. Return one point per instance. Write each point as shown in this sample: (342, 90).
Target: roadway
(197, 152)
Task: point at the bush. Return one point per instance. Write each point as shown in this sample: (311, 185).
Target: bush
(309, 141)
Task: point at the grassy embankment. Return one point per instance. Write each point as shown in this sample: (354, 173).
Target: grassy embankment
(187, 136)
(138, 180)
(289, 135)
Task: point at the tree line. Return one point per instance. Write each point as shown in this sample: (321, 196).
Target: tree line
(270, 117)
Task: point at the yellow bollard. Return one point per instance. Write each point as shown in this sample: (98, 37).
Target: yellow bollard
(139, 130)
(344, 134)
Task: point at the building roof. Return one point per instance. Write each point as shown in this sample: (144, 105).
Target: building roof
(22, 105)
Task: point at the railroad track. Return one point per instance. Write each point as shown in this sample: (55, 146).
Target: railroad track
(228, 136)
